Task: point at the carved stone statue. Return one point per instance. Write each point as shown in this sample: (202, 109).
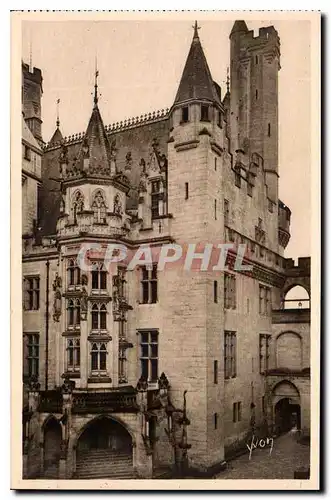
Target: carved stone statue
(83, 304)
(117, 205)
(57, 304)
(128, 161)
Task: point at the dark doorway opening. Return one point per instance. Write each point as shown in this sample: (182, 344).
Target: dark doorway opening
(287, 416)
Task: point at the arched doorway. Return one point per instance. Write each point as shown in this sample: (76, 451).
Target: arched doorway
(104, 450)
(287, 411)
(52, 448)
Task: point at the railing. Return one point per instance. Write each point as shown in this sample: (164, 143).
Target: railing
(290, 316)
(50, 401)
(100, 402)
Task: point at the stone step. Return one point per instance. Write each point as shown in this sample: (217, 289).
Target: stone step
(104, 464)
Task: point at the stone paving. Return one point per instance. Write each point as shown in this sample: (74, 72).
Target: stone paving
(287, 456)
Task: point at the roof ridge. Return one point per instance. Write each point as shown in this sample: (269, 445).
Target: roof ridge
(115, 127)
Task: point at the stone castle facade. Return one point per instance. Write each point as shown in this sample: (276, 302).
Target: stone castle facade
(135, 373)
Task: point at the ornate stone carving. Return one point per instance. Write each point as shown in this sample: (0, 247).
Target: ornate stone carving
(83, 304)
(128, 161)
(57, 304)
(117, 205)
(68, 386)
(142, 385)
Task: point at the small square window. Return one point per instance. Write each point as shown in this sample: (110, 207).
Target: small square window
(204, 113)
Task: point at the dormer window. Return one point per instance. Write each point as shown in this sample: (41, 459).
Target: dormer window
(204, 113)
(185, 117)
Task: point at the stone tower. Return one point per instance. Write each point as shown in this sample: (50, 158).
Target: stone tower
(195, 156)
(31, 96)
(254, 97)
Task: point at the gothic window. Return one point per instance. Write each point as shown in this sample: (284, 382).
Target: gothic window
(99, 317)
(31, 293)
(73, 273)
(74, 313)
(99, 277)
(99, 208)
(98, 357)
(230, 299)
(149, 285)
(33, 354)
(264, 351)
(230, 354)
(149, 355)
(77, 205)
(73, 355)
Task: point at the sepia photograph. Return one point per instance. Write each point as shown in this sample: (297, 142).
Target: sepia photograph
(167, 301)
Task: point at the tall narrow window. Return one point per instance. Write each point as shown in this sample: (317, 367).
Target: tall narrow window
(155, 197)
(256, 94)
(215, 421)
(99, 208)
(186, 190)
(215, 371)
(73, 273)
(99, 277)
(230, 354)
(33, 354)
(31, 293)
(236, 412)
(215, 209)
(185, 117)
(215, 292)
(256, 59)
(215, 163)
(73, 355)
(226, 212)
(230, 294)
(99, 317)
(27, 153)
(98, 358)
(149, 285)
(149, 355)
(204, 113)
(269, 130)
(264, 351)
(73, 309)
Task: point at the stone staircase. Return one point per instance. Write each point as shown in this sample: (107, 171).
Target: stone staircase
(104, 463)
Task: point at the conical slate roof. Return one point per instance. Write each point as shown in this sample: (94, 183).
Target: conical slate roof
(196, 81)
(239, 26)
(56, 137)
(96, 143)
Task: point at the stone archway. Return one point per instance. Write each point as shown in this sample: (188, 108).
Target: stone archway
(104, 450)
(286, 404)
(52, 448)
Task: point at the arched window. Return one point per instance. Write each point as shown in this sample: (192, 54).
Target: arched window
(73, 355)
(99, 277)
(77, 205)
(73, 273)
(98, 357)
(74, 312)
(99, 317)
(99, 208)
(297, 298)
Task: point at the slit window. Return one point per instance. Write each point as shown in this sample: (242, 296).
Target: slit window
(185, 114)
(215, 292)
(215, 371)
(186, 190)
(269, 130)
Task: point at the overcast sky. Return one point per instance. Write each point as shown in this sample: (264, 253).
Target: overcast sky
(140, 64)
